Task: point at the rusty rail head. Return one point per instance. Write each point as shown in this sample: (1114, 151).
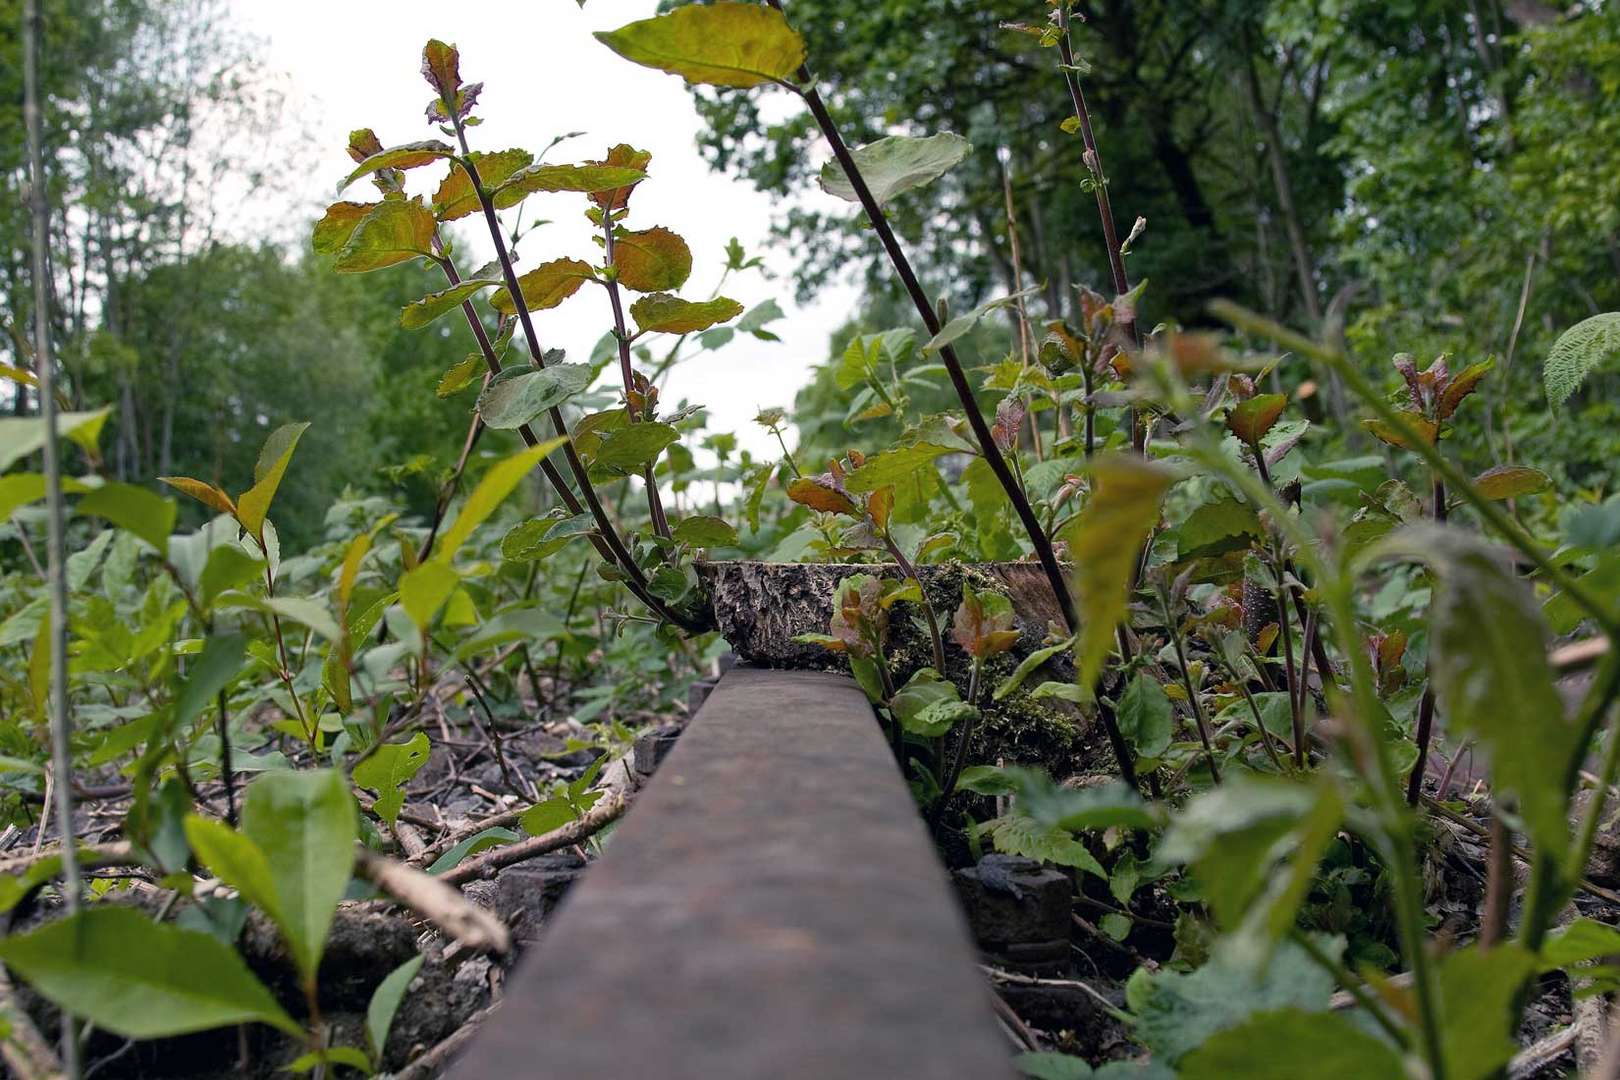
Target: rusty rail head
(771, 907)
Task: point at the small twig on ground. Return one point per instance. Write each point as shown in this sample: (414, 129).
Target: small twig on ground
(431, 1062)
(1000, 976)
(439, 847)
(598, 816)
(435, 901)
(1532, 1059)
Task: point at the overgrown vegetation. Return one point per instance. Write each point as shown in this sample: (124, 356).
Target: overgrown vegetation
(1295, 584)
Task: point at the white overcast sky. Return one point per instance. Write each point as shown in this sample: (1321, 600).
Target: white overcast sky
(355, 63)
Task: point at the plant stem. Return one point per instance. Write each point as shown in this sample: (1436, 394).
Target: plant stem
(621, 335)
(225, 771)
(928, 608)
(1425, 722)
(1446, 472)
(959, 761)
(1187, 683)
(610, 533)
(1353, 986)
(964, 392)
(56, 525)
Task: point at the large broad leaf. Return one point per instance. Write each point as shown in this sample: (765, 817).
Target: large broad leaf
(725, 44)
(396, 231)
(929, 705)
(304, 823)
(20, 489)
(220, 661)
(1477, 990)
(1511, 481)
(1178, 1012)
(896, 164)
(584, 178)
(253, 504)
(1286, 1044)
(1488, 663)
(546, 286)
(894, 466)
(1104, 541)
(652, 260)
(424, 589)
(1578, 351)
(629, 448)
(140, 979)
(1216, 528)
(704, 530)
(408, 156)
(491, 491)
(1145, 717)
(387, 770)
(663, 313)
(456, 198)
(22, 436)
(337, 225)
(517, 396)
(145, 513)
(418, 313)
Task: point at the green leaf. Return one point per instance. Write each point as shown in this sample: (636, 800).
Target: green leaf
(1102, 806)
(666, 314)
(1050, 1065)
(419, 313)
(652, 260)
(397, 231)
(456, 198)
(304, 822)
(300, 609)
(896, 164)
(555, 812)
(1018, 834)
(517, 395)
(1285, 1044)
(347, 1056)
(724, 44)
(237, 861)
(963, 323)
(705, 530)
(472, 845)
(388, 769)
(629, 448)
(21, 436)
(1250, 420)
(145, 513)
(408, 156)
(1177, 1012)
(140, 979)
(459, 377)
(546, 286)
(1145, 716)
(1578, 351)
(253, 504)
(1104, 541)
(986, 780)
(581, 178)
(337, 225)
(1216, 528)
(1477, 1018)
(929, 705)
(1027, 667)
(537, 538)
(20, 489)
(1511, 481)
(491, 491)
(385, 1001)
(220, 661)
(1488, 663)
(1582, 940)
(894, 467)
(424, 589)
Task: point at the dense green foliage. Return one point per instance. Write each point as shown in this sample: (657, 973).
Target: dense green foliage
(1293, 581)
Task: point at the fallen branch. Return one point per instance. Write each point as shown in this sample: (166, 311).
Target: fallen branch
(435, 901)
(1578, 655)
(1532, 1059)
(121, 853)
(598, 816)
(439, 847)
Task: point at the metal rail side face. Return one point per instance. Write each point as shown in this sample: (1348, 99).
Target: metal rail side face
(771, 907)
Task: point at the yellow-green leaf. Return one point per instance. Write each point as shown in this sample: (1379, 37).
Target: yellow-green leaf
(546, 286)
(495, 486)
(205, 493)
(408, 156)
(663, 313)
(254, 503)
(725, 44)
(456, 198)
(337, 225)
(395, 231)
(1104, 541)
(1426, 430)
(418, 313)
(582, 178)
(1511, 481)
(652, 260)
(460, 376)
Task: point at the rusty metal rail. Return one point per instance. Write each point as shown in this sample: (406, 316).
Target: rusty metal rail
(771, 907)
